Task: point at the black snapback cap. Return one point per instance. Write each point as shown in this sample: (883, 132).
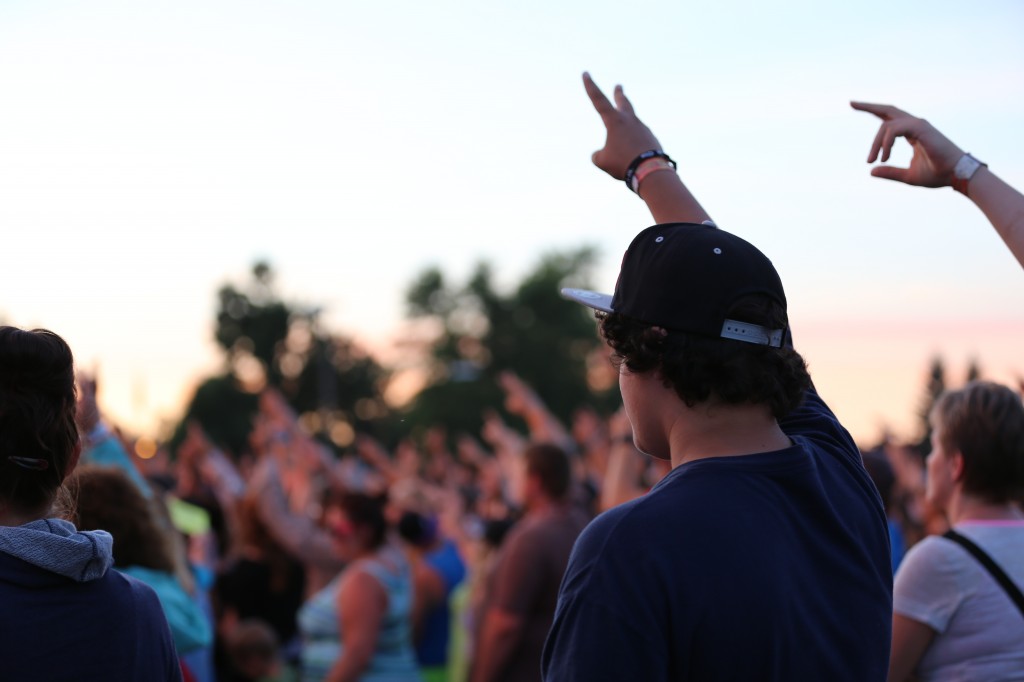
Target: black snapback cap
(685, 277)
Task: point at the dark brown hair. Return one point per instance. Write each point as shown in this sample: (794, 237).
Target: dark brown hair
(38, 435)
(550, 465)
(109, 500)
(700, 369)
(984, 422)
(363, 511)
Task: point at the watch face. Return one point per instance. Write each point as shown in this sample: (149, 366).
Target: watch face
(966, 167)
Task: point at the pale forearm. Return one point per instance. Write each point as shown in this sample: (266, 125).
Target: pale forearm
(669, 200)
(1003, 206)
(298, 535)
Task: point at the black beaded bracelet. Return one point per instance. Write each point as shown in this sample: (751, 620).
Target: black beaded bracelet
(650, 154)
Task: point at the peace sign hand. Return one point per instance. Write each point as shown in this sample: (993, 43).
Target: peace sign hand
(627, 136)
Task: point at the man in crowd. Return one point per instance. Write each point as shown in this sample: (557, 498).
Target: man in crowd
(521, 600)
(764, 553)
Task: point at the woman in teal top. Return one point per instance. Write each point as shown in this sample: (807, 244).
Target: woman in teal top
(359, 627)
(108, 499)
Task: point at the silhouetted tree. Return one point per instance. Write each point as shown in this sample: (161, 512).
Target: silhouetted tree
(973, 370)
(530, 330)
(267, 341)
(935, 385)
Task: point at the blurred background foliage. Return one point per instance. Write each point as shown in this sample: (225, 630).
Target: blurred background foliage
(338, 388)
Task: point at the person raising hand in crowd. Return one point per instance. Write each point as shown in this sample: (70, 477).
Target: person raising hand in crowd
(937, 162)
(764, 553)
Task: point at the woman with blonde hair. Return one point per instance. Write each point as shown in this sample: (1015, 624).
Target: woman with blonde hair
(957, 602)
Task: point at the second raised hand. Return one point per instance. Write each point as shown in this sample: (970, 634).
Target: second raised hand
(934, 154)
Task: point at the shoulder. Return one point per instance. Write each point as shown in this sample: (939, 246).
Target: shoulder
(552, 527)
(361, 593)
(629, 530)
(934, 578)
(522, 538)
(126, 588)
(814, 420)
(932, 557)
(138, 604)
(358, 577)
(373, 578)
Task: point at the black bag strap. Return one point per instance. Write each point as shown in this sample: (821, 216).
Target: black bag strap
(985, 560)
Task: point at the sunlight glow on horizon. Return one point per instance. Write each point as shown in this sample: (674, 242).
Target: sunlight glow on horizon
(150, 154)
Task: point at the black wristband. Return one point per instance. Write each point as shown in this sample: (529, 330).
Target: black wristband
(649, 154)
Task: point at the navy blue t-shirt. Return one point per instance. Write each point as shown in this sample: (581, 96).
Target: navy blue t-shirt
(771, 566)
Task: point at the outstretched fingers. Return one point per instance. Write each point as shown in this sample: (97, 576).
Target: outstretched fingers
(622, 102)
(886, 112)
(887, 133)
(601, 103)
(876, 144)
(891, 173)
(888, 140)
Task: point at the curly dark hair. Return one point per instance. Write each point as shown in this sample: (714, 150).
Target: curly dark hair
(700, 369)
(38, 434)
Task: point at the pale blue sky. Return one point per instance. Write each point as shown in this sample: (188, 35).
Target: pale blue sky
(150, 151)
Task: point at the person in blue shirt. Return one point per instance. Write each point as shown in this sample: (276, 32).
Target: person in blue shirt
(764, 553)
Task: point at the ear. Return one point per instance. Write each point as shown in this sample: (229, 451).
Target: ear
(73, 460)
(530, 485)
(956, 461)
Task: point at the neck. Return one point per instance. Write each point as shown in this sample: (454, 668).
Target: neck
(11, 517)
(710, 430)
(541, 504)
(966, 507)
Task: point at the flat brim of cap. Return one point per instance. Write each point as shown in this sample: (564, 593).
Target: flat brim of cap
(591, 299)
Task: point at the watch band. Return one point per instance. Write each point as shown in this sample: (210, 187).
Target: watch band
(964, 170)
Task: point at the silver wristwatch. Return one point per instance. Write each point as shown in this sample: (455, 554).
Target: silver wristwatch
(964, 170)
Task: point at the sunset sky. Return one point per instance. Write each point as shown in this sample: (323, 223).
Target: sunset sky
(150, 152)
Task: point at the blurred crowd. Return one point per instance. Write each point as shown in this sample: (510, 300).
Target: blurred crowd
(251, 553)
(257, 555)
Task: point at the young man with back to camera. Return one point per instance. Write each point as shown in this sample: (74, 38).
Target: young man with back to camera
(763, 554)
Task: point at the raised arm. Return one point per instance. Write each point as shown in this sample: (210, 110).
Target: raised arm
(627, 138)
(937, 162)
(298, 534)
(522, 400)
